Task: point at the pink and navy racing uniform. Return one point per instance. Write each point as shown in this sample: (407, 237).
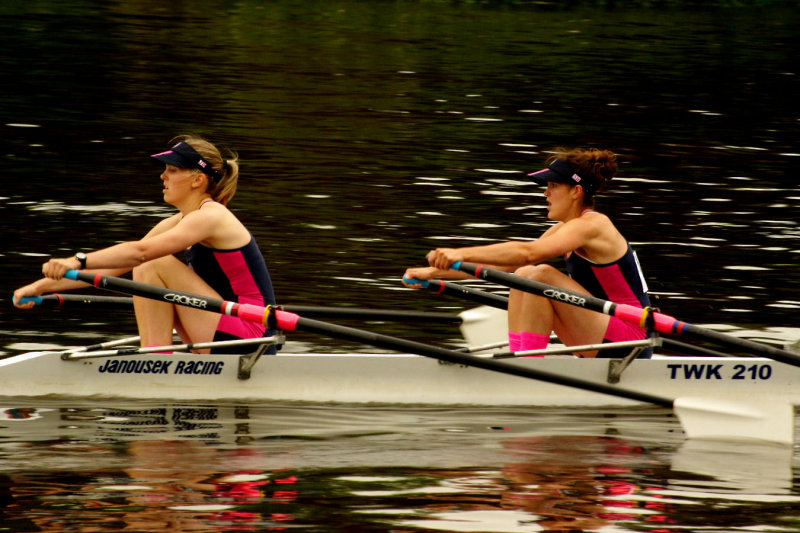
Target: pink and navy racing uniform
(620, 282)
(238, 275)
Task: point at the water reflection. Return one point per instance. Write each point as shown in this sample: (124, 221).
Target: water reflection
(268, 467)
(746, 470)
(568, 494)
(569, 483)
(163, 486)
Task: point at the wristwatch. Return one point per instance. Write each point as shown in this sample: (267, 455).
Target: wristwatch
(81, 257)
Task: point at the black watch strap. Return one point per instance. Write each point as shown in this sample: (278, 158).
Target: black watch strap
(81, 257)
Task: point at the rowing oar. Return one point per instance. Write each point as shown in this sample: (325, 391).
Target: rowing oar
(636, 315)
(700, 417)
(468, 293)
(58, 300)
(501, 302)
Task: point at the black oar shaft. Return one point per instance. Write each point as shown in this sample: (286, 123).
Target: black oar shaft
(134, 288)
(765, 350)
(315, 311)
(514, 281)
(451, 356)
(62, 300)
(357, 313)
(468, 293)
(690, 349)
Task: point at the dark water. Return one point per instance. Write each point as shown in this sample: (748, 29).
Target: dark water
(370, 132)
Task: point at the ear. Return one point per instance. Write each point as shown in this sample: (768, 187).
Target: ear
(577, 190)
(199, 180)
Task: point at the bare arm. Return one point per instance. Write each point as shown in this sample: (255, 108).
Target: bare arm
(429, 273)
(168, 237)
(47, 285)
(165, 238)
(556, 241)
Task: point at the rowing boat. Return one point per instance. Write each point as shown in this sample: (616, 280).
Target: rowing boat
(731, 397)
(387, 378)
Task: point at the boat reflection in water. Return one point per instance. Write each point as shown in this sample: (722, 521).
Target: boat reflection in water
(267, 467)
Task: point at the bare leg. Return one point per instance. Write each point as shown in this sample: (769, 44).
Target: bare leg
(528, 312)
(156, 320)
(537, 314)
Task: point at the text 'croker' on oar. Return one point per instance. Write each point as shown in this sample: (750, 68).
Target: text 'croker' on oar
(642, 317)
(701, 418)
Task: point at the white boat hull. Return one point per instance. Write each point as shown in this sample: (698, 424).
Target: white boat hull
(388, 378)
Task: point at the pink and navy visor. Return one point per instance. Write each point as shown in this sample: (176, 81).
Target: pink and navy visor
(559, 171)
(182, 155)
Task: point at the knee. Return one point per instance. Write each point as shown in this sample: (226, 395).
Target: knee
(150, 270)
(541, 273)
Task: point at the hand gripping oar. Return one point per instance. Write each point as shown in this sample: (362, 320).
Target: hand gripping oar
(695, 414)
(642, 317)
(453, 289)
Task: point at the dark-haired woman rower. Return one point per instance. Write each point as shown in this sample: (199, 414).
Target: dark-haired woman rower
(600, 262)
(224, 259)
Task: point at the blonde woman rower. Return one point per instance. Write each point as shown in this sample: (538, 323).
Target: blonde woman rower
(224, 260)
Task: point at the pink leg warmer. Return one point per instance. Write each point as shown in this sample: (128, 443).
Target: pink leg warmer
(533, 341)
(514, 341)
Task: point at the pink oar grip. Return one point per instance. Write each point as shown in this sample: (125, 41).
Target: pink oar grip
(256, 313)
(629, 313)
(253, 313)
(636, 315)
(286, 320)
